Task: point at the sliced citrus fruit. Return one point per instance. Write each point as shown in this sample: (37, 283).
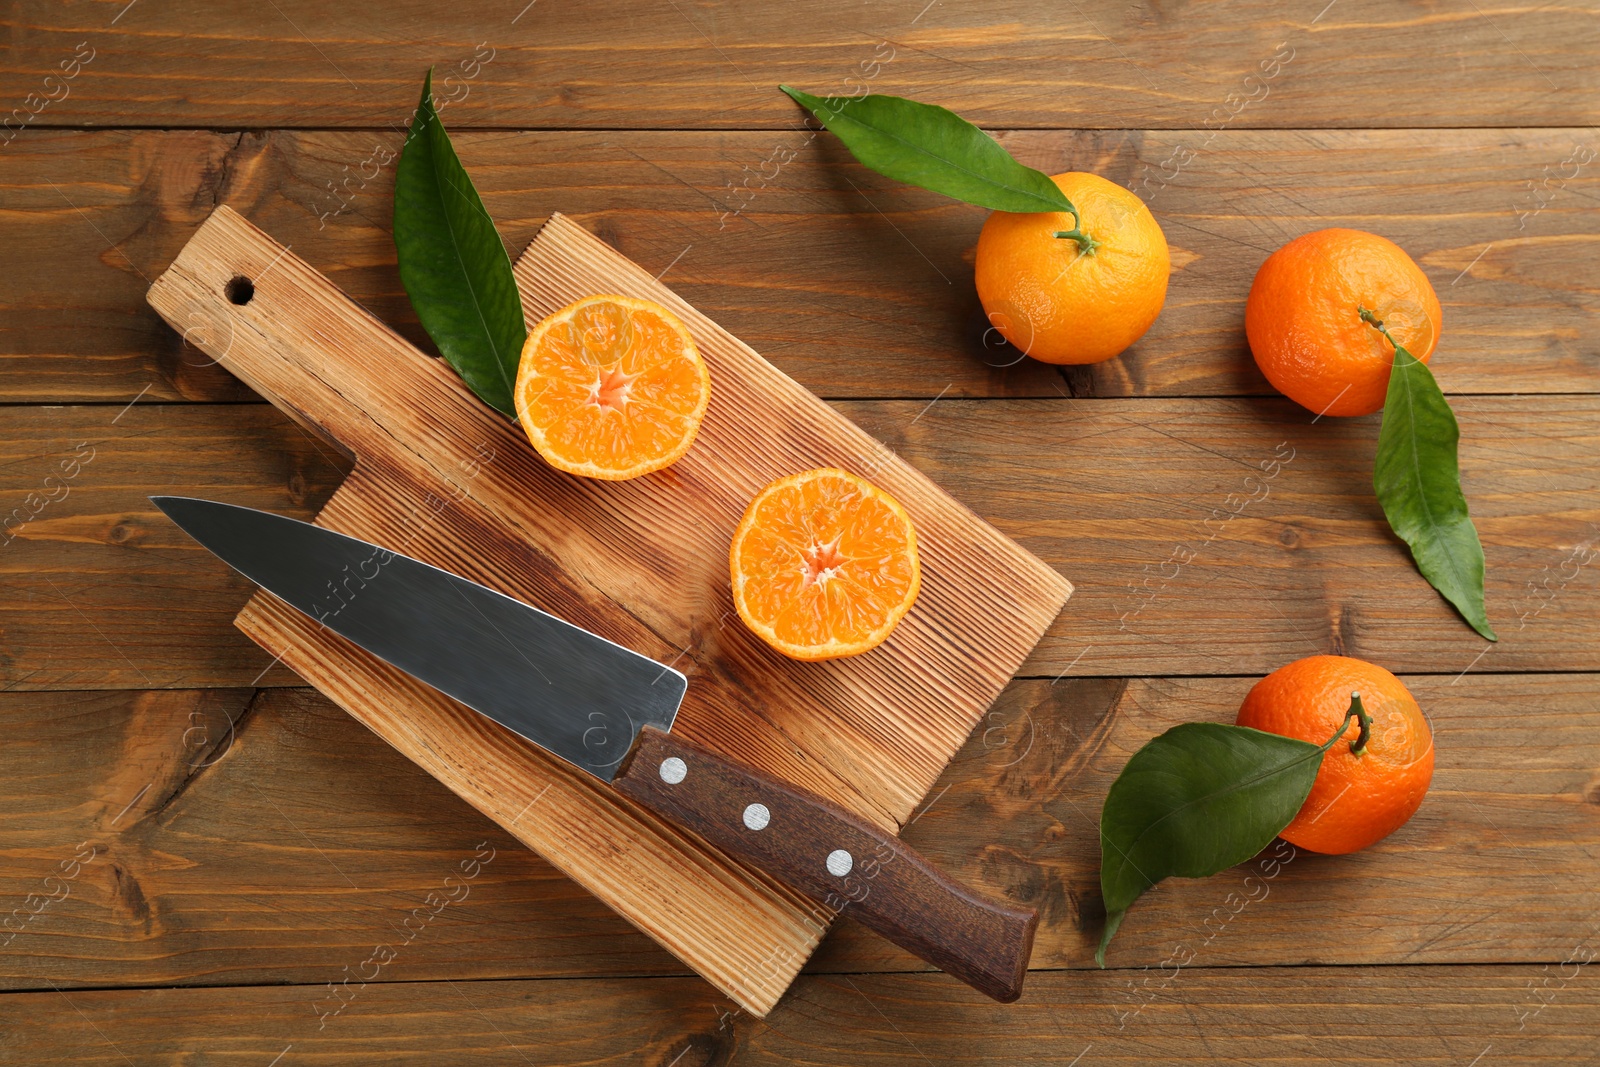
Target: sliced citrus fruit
(611, 387)
(824, 565)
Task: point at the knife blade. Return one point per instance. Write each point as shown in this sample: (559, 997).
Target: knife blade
(609, 710)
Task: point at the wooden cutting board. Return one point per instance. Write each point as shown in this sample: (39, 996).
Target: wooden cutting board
(442, 477)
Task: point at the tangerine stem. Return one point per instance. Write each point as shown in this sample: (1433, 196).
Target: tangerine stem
(1086, 244)
(1359, 745)
(1377, 324)
(1359, 713)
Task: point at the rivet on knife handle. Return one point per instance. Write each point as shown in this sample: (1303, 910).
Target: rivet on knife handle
(834, 857)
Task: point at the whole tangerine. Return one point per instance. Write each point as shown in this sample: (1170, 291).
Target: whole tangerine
(1064, 300)
(1359, 797)
(1303, 318)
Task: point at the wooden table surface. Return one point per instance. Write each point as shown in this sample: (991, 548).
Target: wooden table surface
(239, 845)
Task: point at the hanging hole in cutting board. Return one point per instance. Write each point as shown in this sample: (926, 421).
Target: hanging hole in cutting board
(240, 290)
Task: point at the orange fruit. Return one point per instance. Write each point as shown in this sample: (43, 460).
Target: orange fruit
(1060, 303)
(611, 387)
(824, 565)
(1303, 319)
(1356, 800)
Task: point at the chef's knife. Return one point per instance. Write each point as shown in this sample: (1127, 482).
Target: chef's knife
(608, 710)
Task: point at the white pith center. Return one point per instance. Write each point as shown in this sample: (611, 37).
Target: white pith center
(822, 562)
(610, 390)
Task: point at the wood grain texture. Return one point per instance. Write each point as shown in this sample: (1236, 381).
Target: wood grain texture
(284, 850)
(1501, 863)
(308, 840)
(1278, 1017)
(1264, 541)
(837, 859)
(1114, 492)
(98, 594)
(443, 478)
(1099, 63)
(850, 283)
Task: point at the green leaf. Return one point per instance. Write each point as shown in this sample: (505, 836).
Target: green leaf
(1418, 482)
(452, 264)
(931, 147)
(1199, 799)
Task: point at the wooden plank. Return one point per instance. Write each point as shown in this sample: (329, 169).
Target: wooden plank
(1107, 489)
(446, 479)
(764, 232)
(285, 850)
(1277, 1017)
(99, 594)
(273, 849)
(1101, 63)
(1245, 532)
(1501, 863)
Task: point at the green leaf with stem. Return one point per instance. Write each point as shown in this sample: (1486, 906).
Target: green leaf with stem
(1201, 798)
(934, 148)
(452, 263)
(1418, 481)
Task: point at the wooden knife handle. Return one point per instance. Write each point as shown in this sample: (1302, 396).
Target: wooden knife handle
(833, 857)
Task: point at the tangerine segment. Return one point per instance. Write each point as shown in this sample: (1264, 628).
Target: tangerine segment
(824, 565)
(611, 387)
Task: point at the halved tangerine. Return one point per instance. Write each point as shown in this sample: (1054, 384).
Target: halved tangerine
(824, 565)
(611, 387)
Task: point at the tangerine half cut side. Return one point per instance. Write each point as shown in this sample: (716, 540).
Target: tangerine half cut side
(824, 565)
(611, 387)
